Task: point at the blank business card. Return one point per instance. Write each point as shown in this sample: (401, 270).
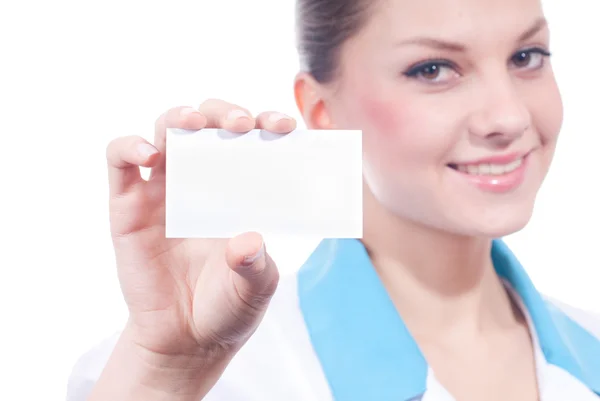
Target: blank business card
(304, 184)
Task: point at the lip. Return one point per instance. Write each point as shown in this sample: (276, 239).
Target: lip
(497, 159)
(497, 183)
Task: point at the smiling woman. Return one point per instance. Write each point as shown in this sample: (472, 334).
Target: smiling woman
(461, 113)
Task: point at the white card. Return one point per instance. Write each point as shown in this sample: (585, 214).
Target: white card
(304, 184)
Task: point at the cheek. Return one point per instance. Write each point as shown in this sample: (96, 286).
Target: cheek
(397, 134)
(387, 126)
(554, 116)
(550, 123)
(383, 118)
(547, 113)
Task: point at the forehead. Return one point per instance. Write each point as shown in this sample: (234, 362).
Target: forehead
(458, 20)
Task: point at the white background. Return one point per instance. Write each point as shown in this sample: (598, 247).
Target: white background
(75, 74)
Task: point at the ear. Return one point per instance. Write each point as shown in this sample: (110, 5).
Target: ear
(310, 101)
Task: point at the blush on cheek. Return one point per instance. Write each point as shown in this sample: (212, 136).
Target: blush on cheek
(382, 118)
(381, 121)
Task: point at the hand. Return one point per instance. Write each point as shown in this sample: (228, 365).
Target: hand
(185, 296)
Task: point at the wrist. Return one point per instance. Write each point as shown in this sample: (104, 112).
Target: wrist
(134, 372)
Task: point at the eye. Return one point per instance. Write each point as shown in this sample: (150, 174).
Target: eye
(531, 59)
(432, 72)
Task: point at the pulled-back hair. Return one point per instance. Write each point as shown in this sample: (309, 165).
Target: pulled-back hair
(322, 27)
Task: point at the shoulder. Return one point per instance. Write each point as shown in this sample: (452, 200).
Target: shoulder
(587, 320)
(278, 361)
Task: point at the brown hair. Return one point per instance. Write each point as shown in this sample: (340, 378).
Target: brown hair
(322, 27)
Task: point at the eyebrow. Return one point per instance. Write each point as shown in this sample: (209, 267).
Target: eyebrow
(539, 24)
(439, 44)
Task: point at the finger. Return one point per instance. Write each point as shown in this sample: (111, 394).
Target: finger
(222, 114)
(124, 157)
(275, 122)
(183, 117)
(256, 275)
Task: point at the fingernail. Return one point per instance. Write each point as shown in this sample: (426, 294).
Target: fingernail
(187, 111)
(276, 117)
(146, 150)
(235, 114)
(249, 260)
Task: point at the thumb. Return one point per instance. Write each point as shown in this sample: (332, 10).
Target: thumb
(255, 274)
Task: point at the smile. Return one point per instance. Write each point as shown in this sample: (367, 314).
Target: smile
(496, 174)
(488, 168)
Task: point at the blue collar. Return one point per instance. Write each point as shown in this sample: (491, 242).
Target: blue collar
(366, 351)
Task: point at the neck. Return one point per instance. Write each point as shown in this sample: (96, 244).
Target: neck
(437, 280)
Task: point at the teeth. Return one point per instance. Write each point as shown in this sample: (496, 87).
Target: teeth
(490, 169)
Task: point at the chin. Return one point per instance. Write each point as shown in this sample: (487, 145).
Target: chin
(461, 210)
(502, 229)
(494, 214)
(497, 222)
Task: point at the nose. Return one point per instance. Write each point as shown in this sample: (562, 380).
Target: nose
(500, 115)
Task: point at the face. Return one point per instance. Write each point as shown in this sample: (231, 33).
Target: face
(459, 109)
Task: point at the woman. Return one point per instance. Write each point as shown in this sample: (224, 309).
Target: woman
(460, 114)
